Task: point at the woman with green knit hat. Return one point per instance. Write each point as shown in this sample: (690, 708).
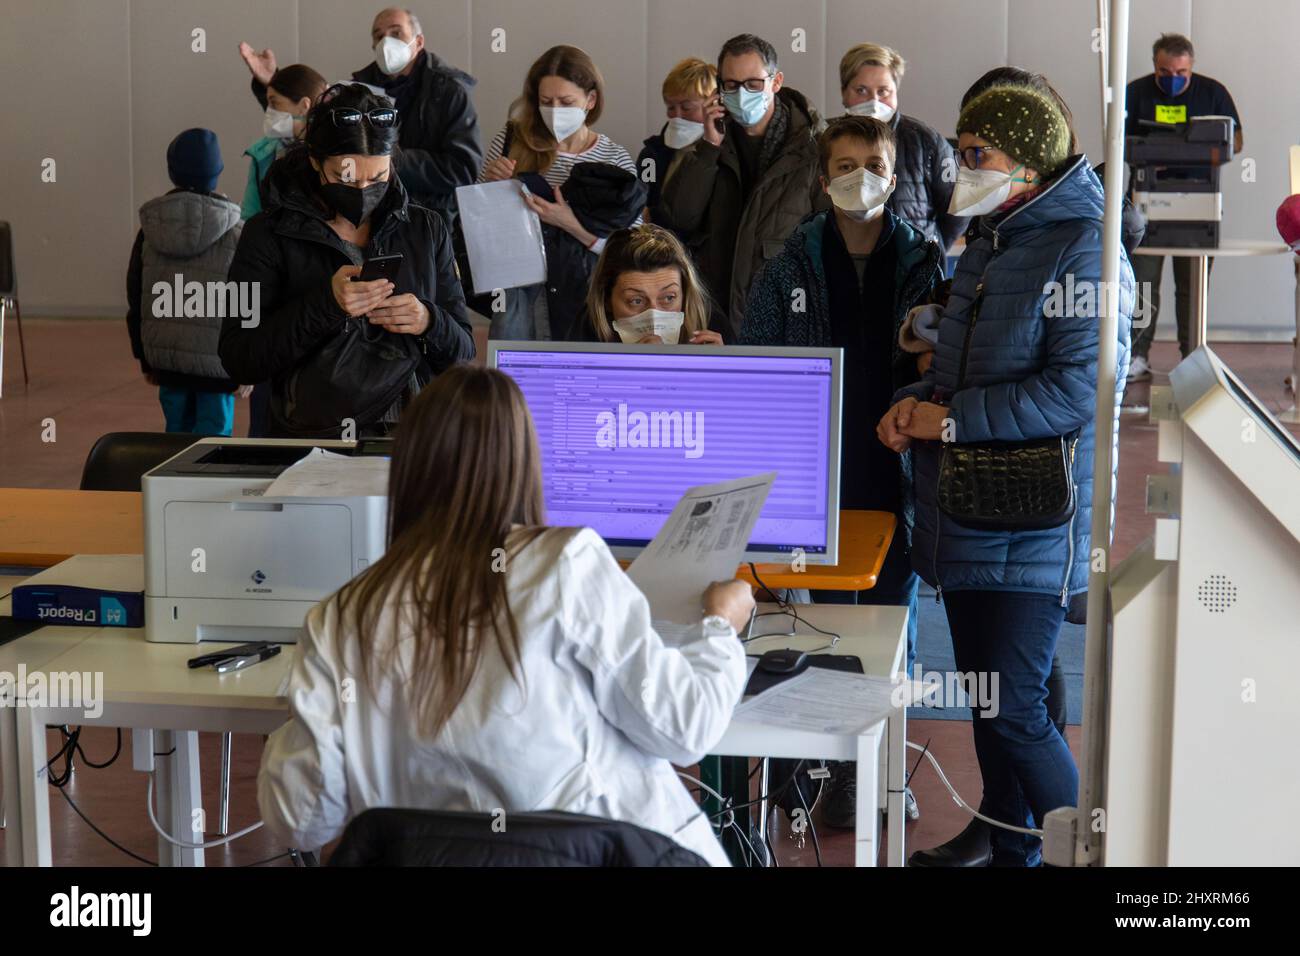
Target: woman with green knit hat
(1014, 364)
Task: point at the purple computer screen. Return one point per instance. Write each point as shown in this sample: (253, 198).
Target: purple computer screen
(623, 434)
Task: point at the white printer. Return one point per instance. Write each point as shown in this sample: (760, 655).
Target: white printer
(223, 563)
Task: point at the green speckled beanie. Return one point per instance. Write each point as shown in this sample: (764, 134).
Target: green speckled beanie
(1023, 122)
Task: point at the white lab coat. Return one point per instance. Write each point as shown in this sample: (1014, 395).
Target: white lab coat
(604, 707)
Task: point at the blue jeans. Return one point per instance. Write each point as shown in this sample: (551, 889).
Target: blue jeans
(1025, 762)
(896, 585)
(198, 413)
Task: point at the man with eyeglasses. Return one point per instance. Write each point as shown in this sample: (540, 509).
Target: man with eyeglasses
(737, 193)
(438, 132)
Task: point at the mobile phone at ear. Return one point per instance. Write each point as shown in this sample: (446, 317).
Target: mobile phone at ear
(380, 267)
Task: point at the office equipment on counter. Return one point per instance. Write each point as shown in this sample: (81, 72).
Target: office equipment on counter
(89, 590)
(225, 562)
(624, 430)
(1175, 181)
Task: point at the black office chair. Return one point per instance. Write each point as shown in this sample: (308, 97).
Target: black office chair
(118, 460)
(386, 836)
(9, 299)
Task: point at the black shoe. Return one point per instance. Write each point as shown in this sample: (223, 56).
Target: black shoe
(840, 802)
(968, 848)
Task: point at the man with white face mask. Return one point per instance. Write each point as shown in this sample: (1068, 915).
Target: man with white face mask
(861, 269)
(438, 136)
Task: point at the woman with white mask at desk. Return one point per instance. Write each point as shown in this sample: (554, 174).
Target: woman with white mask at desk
(487, 661)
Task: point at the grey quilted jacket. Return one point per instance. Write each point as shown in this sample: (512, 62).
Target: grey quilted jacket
(192, 235)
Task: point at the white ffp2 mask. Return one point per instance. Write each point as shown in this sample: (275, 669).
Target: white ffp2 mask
(563, 121)
(392, 55)
(978, 192)
(861, 194)
(277, 124)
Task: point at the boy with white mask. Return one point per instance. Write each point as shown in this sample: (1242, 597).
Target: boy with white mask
(862, 269)
(439, 135)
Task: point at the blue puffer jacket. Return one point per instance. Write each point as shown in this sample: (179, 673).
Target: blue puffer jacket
(1031, 373)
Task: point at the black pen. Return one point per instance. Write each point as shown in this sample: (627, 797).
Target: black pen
(236, 663)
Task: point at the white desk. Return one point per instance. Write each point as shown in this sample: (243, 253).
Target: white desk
(878, 637)
(145, 687)
(148, 687)
(1199, 333)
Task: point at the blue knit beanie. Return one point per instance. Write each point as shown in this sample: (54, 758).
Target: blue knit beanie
(194, 160)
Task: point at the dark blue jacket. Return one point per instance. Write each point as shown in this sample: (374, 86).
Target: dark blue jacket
(1031, 373)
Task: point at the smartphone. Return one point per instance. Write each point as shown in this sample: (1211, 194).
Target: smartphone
(380, 267)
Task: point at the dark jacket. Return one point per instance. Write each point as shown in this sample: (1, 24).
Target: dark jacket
(659, 156)
(772, 320)
(385, 836)
(703, 200)
(926, 166)
(1031, 373)
(438, 134)
(604, 198)
(193, 234)
(292, 253)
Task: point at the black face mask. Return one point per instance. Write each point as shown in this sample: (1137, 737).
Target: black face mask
(355, 204)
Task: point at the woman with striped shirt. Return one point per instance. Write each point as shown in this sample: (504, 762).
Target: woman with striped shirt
(549, 133)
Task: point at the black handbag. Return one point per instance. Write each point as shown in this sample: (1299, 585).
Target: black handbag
(356, 375)
(1005, 485)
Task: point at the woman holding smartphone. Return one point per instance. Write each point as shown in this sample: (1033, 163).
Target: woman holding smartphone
(343, 356)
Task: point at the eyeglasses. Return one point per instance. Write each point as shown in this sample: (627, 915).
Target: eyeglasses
(972, 156)
(343, 116)
(383, 118)
(753, 85)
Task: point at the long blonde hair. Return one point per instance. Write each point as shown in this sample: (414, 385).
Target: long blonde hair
(533, 146)
(644, 248)
(465, 470)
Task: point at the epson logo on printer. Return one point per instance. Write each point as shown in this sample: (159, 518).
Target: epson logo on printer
(258, 577)
(79, 614)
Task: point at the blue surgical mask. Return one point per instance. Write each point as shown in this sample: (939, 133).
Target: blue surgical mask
(1172, 85)
(746, 108)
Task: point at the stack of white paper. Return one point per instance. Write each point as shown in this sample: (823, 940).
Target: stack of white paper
(326, 474)
(830, 702)
(702, 541)
(503, 237)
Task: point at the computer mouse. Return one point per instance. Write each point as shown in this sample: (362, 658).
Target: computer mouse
(787, 660)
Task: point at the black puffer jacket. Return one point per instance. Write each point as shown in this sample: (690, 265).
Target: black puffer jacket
(438, 129)
(926, 168)
(604, 198)
(292, 253)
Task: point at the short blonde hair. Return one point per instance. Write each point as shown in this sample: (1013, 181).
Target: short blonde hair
(692, 78)
(870, 54)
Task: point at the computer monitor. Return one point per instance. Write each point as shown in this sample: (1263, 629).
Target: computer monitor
(625, 429)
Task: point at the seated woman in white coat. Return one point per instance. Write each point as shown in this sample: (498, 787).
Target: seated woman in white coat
(490, 663)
